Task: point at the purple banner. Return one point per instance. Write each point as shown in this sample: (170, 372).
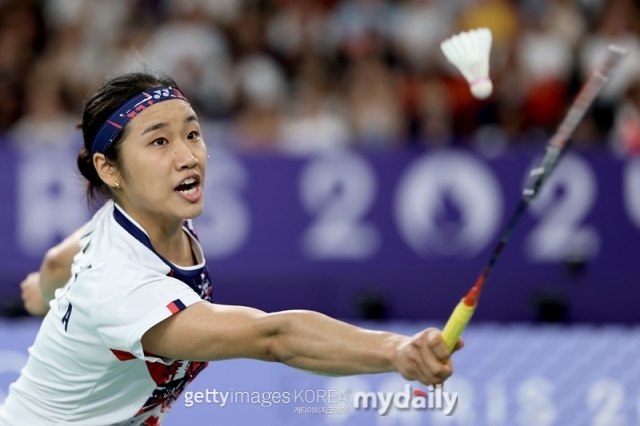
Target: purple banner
(413, 229)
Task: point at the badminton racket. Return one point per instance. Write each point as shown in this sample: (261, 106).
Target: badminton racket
(537, 177)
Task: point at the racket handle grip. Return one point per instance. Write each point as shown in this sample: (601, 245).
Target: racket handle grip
(456, 324)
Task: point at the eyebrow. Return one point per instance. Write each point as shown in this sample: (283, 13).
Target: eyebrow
(158, 126)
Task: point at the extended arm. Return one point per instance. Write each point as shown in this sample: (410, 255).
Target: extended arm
(38, 288)
(301, 339)
(55, 270)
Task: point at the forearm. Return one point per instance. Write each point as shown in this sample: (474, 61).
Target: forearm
(314, 342)
(53, 275)
(55, 270)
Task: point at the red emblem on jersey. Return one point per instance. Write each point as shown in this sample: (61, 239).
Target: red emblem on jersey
(176, 306)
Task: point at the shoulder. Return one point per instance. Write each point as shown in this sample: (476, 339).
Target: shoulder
(100, 215)
(98, 219)
(110, 258)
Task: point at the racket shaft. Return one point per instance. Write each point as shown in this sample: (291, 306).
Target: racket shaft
(456, 324)
(539, 174)
(583, 101)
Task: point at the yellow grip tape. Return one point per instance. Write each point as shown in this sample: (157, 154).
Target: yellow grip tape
(456, 324)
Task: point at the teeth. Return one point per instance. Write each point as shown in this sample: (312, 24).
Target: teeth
(189, 191)
(188, 181)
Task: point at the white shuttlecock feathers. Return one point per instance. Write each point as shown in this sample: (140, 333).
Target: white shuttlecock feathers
(469, 52)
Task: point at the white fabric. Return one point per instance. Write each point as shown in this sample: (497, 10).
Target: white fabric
(88, 368)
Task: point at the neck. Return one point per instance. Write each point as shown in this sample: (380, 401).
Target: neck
(166, 235)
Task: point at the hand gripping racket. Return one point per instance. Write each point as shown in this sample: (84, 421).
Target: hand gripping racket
(537, 177)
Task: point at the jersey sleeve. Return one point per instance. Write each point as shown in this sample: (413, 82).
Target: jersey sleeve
(122, 315)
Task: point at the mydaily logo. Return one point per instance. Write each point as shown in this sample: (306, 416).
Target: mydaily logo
(434, 399)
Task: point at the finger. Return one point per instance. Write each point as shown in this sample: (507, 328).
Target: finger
(416, 369)
(459, 345)
(424, 376)
(431, 363)
(429, 379)
(438, 368)
(437, 345)
(430, 360)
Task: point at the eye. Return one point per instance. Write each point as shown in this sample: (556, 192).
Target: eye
(160, 142)
(193, 135)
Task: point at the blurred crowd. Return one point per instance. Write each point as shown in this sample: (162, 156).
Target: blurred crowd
(299, 76)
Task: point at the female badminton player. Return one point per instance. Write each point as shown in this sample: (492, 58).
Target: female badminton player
(134, 324)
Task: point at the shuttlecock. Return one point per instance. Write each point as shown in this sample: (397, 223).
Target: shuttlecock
(469, 52)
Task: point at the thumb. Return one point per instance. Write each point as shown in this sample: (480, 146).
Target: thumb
(437, 344)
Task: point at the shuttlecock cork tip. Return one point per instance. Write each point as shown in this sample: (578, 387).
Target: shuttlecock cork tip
(481, 88)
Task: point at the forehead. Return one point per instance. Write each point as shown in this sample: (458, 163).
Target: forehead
(167, 111)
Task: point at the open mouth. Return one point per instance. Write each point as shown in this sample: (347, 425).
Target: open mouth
(188, 186)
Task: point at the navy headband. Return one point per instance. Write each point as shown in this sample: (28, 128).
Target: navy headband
(123, 115)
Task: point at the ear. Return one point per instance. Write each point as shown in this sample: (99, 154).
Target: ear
(107, 172)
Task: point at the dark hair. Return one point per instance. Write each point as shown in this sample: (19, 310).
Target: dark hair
(112, 95)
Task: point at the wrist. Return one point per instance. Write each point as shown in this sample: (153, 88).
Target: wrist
(395, 345)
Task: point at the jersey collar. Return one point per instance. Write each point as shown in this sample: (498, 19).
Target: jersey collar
(137, 232)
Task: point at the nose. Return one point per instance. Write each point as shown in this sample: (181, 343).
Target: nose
(184, 156)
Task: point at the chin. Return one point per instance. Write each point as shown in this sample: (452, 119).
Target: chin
(193, 211)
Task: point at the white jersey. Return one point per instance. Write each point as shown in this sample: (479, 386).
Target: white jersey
(87, 366)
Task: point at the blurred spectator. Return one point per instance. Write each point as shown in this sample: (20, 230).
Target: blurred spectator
(313, 124)
(373, 101)
(21, 40)
(618, 23)
(307, 75)
(564, 19)
(545, 61)
(221, 11)
(261, 85)
(418, 27)
(187, 47)
(355, 19)
(300, 25)
(626, 135)
(314, 120)
(500, 16)
(46, 121)
(426, 103)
